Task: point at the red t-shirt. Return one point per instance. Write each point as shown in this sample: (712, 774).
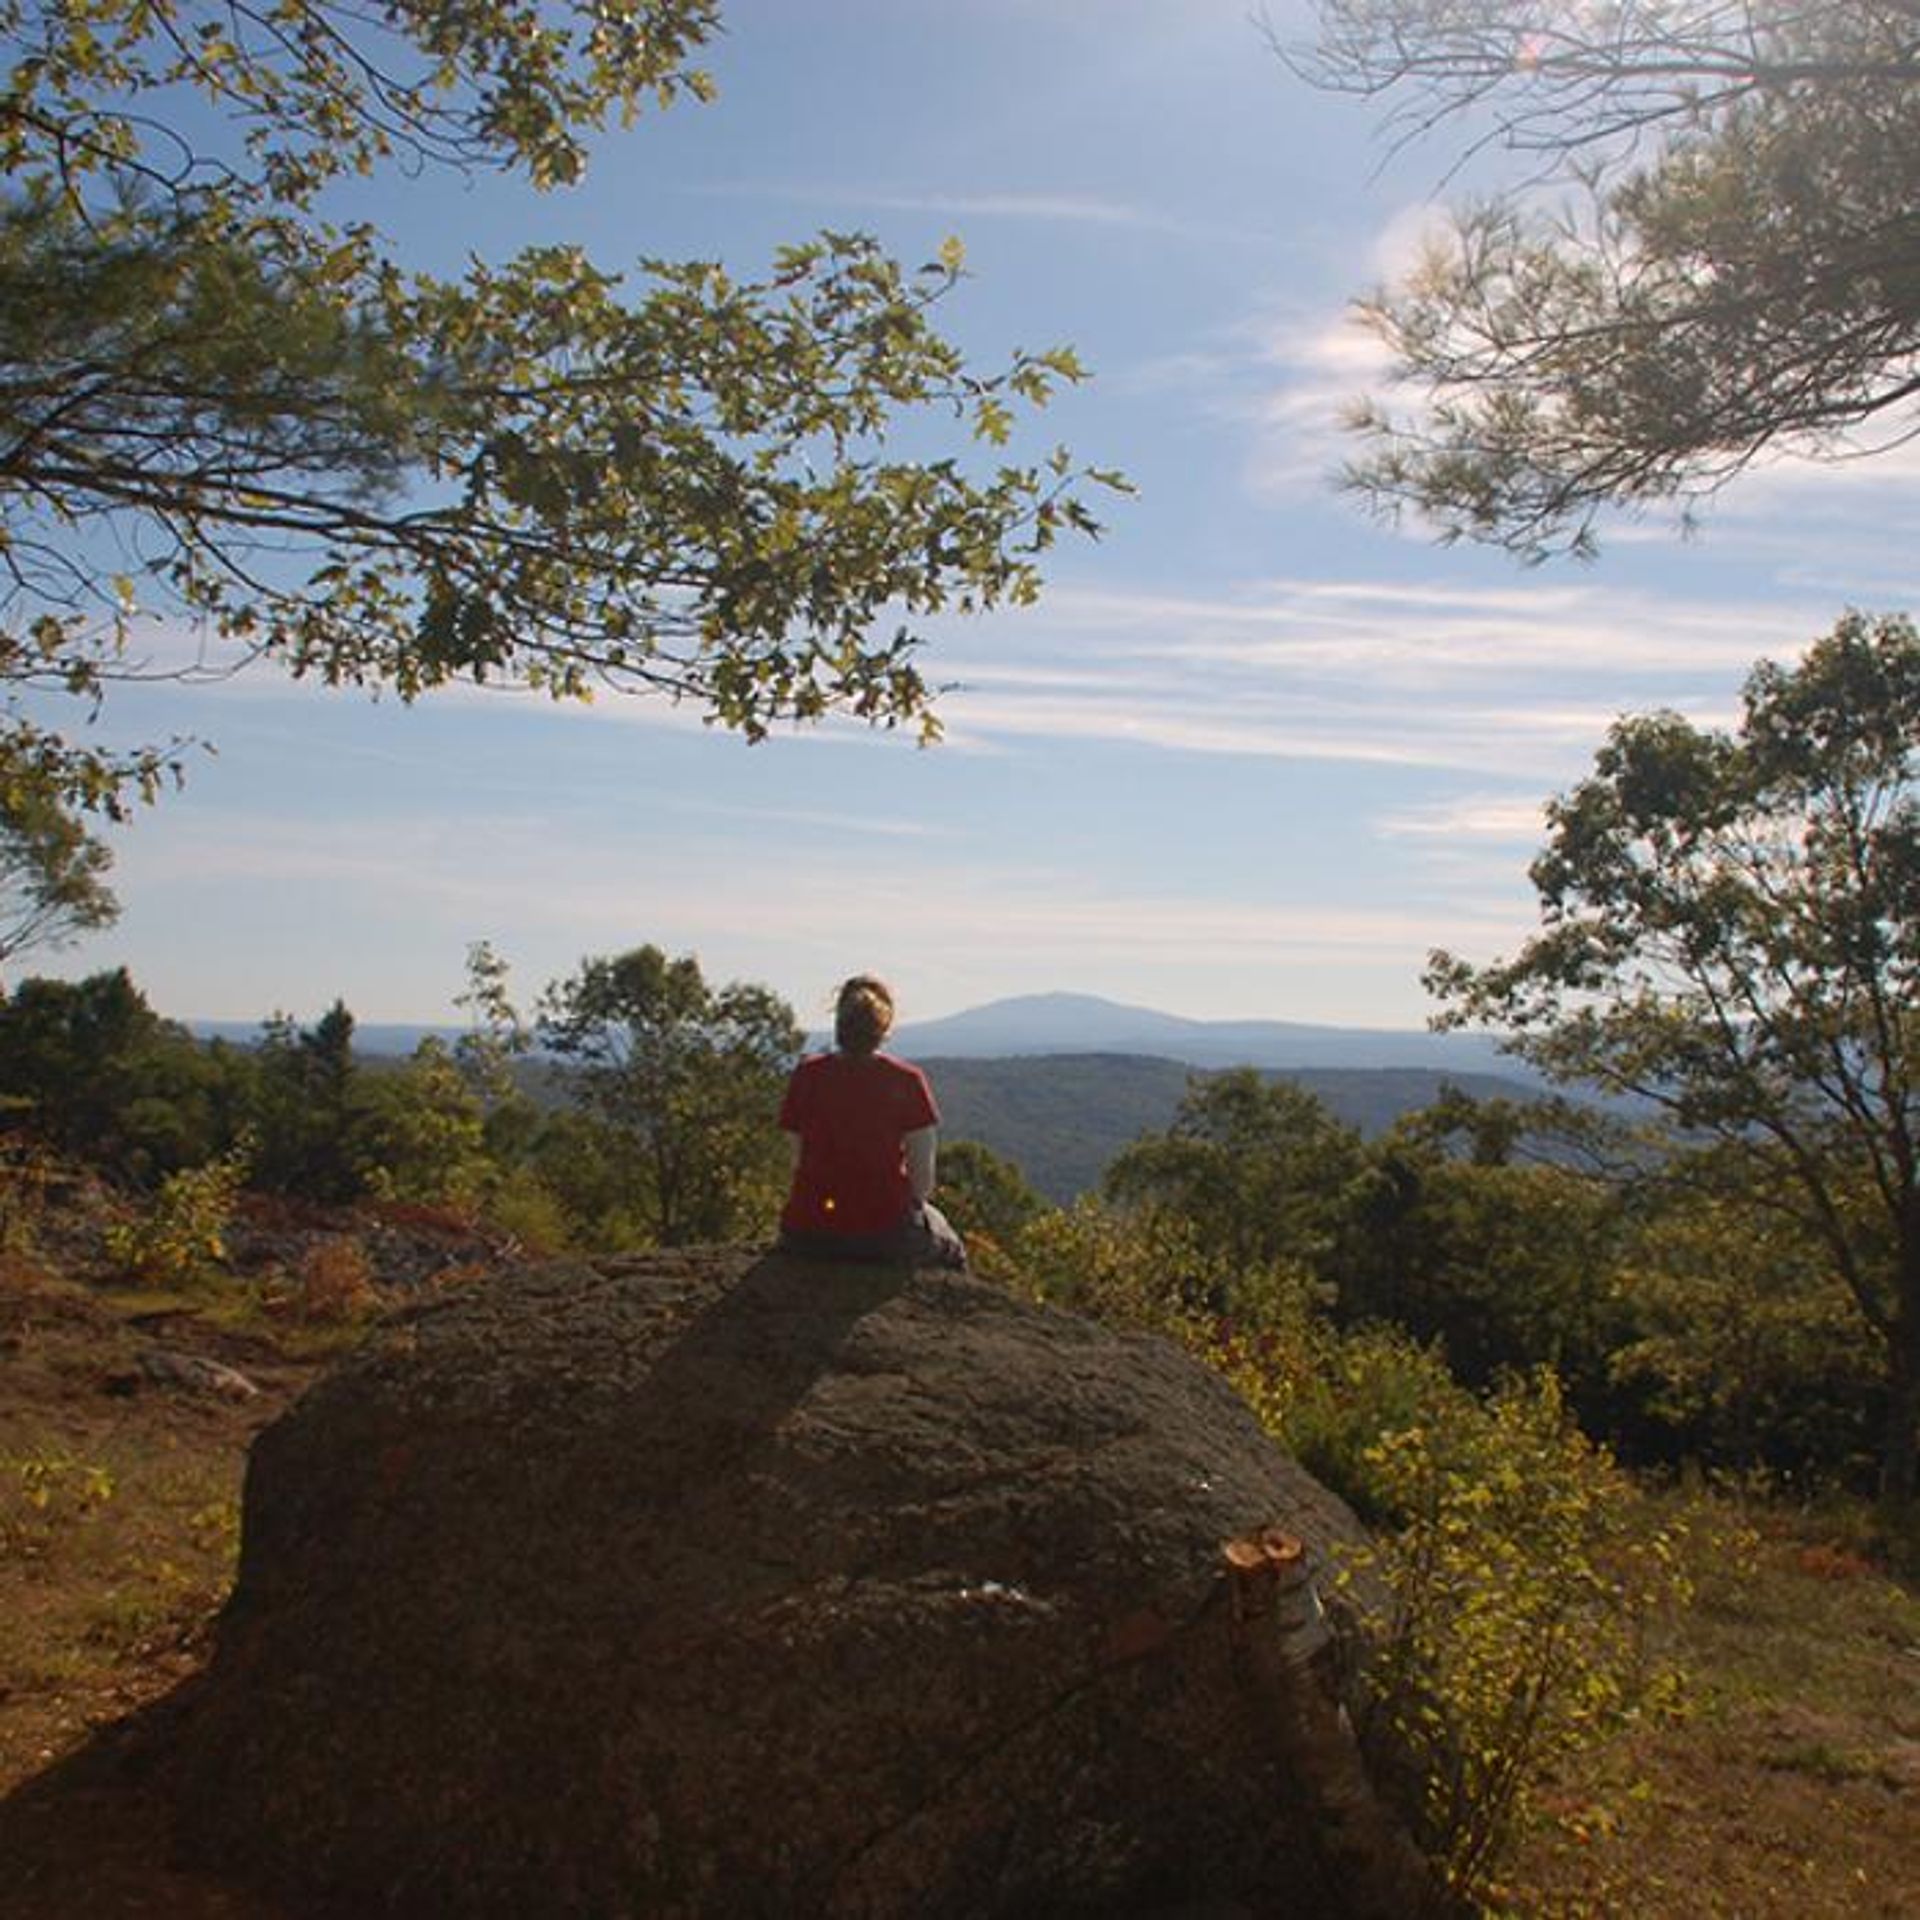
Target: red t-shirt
(853, 1112)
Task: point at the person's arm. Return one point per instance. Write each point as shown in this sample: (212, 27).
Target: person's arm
(920, 1153)
(792, 1120)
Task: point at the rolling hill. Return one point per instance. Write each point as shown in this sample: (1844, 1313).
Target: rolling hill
(1058, 1083)
(1079, 1023)
(1061, 1118)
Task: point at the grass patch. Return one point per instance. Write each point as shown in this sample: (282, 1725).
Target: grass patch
(1789, 1784)
(119, 1508)
(1821, 1762)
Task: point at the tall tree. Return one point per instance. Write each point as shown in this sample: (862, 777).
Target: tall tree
(222, 405)
(496, 1036)
(689, 1076)
(1722, 264)
(1256, 1167)
(95, 1072)
(1731, 932)
(52, 870)
(307, 1113)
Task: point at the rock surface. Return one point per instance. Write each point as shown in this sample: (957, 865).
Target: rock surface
(733, 1585)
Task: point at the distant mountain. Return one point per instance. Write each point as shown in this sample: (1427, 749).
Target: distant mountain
(1054, 1023)
(1082, 1023)
(1062, 1117)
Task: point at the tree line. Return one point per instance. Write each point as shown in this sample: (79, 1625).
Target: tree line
(645, 1120)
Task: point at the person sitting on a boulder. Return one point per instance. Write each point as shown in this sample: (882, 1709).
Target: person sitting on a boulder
(864, 1127)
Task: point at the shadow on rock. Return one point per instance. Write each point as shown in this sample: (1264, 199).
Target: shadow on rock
(93, 1834)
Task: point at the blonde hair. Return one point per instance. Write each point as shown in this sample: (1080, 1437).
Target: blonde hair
(862, 1014)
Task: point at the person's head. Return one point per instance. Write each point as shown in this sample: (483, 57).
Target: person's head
(862, 1014)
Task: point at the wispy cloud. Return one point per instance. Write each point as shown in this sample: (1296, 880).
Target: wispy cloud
(1284, 380)
(1072, 209)
(1459, 736)
(544, 903)
(1524, 678)
(1487, 818)
(1525, 675)
(424, 858)
(787, 819)
(1289, 373)
(1308, 373)
(1370, 628)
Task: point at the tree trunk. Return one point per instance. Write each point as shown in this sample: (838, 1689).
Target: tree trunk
(1900, 1441)
(1285, 1654)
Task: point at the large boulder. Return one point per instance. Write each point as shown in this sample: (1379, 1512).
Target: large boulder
(724, 1585)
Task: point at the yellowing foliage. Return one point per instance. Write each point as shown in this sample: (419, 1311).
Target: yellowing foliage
(1523, 1574)
(185, 1230)
(1526, 1576)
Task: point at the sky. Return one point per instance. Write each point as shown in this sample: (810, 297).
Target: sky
(1251, 756)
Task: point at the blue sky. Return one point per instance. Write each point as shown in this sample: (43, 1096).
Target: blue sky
(1252, 755)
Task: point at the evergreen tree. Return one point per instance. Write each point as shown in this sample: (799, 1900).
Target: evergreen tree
(1711, 255)
(307, 1118)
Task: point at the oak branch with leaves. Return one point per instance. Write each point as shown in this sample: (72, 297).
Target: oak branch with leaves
(221, 408)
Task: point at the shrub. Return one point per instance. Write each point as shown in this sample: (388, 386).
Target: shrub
(1516, 1573)
(1330, 1397)
(1523, 1573)
(41, 1488)
(336, 1280)
(1150, 1270)
(28, 1174)
(519, 1204)
(184, 1231)
(988, 1200)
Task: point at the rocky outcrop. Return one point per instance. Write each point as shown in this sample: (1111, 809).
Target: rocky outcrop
(736, 1586)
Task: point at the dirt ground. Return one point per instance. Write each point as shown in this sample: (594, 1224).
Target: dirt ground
(125, 1418)
(1791, 1783)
